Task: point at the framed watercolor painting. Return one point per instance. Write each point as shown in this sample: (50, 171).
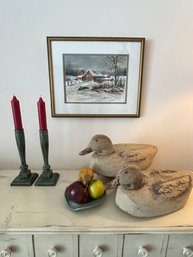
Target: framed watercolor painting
(95, 77)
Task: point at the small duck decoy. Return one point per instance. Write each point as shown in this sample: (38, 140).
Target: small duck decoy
(152, 192)
(107, 159)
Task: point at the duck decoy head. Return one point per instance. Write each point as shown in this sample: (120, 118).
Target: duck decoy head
(100, 144)
(130, 177)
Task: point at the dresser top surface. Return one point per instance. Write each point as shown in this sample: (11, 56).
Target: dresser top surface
(43, 209)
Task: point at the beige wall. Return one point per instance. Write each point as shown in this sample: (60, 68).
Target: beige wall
(167, 97)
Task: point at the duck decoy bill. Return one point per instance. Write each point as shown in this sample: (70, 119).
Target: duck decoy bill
(86, 151)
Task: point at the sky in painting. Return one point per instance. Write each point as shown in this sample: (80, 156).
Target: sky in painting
(85, 61)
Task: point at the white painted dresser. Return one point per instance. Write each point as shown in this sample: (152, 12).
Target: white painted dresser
(36, 222)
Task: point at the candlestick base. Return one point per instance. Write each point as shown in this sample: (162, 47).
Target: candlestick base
(24, 180)
(25, 177)
(47, 178)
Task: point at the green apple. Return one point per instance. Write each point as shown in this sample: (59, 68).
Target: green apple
(96, 188)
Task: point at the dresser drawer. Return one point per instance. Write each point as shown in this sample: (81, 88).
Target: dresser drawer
(180, 246)
(144, 245)
(55, 245)
(92, 245)
(16, 245)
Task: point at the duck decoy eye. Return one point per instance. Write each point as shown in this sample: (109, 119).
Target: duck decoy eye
(97, 140)
(126, 172)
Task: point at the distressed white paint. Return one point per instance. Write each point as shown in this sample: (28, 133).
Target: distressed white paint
(43, 209)
(34, 220)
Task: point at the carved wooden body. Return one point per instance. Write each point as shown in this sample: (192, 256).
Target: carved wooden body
(162, 192)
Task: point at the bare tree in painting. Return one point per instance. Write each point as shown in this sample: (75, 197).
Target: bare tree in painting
(113, 62)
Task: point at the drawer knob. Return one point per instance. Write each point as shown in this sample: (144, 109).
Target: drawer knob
(187, 252)
(52, 252)
(5, 253)
(143, 252)
(97, 252)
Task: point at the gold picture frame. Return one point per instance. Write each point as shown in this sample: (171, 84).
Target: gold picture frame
(95, 76)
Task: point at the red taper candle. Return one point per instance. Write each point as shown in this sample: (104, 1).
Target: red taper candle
(16, 113)
(42, 114)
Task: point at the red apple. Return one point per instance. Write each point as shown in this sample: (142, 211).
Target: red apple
(77, 192)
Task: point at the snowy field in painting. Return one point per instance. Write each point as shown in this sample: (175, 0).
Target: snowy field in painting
(91, 92)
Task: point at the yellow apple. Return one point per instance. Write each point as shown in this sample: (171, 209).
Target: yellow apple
(96, 188)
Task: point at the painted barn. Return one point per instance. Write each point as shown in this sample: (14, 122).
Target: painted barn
(92, 75)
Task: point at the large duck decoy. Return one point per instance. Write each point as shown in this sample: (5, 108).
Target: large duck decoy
(152, 192)
(107, 159)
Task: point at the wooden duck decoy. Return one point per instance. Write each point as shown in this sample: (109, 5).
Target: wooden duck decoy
(107, 159)
(152, 192)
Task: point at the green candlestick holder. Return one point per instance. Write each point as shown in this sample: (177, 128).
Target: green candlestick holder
(25, 177)
(47, 178)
